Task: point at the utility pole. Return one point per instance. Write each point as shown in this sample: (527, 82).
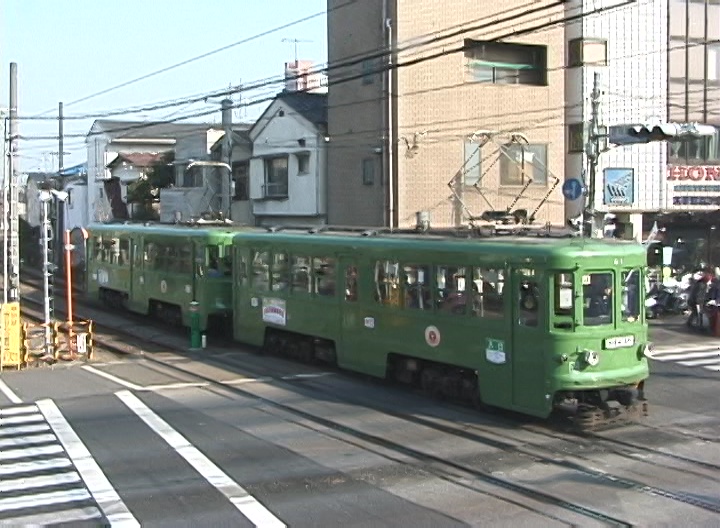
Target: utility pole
(593, 149)
(13, 187)
(5, 208)
(227, 148)
(61, 139)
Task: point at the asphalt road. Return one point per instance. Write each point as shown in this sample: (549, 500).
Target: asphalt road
(137, 441)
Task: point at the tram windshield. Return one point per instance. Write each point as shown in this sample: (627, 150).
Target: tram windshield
(597, 298)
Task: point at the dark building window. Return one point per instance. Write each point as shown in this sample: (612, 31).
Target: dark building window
(505, 63)
(368, 171)
(240, 175)
(276, 177)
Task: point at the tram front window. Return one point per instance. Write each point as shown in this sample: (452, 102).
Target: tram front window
(597, 299)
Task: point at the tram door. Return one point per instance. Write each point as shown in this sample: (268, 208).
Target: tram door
(529, 306)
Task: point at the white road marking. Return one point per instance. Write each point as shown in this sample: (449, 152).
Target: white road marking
(26, 440)
(672, 349)
(179, 385)
(39, 465)
(57, 517)
(8, 392)
(18, 410)
(242, 381)
(686, 355)
(12, 454)
(112, 506)
(700, 362)
(306, 376)
(24, 483)
(24, 429)
(43, 499)
(112, 378)
(241, 499)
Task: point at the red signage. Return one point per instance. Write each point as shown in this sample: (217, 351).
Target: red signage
(693, 173)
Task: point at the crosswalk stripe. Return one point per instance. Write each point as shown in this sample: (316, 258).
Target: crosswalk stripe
(689, 355)
(672, 349)
(58, 517)
(24, 429)
(714, 368)
(11, 454)
(37, 465)
(699, 362)
(42, 481)
(26, 418)
(43, 499)
(19, 410)
(27, 440)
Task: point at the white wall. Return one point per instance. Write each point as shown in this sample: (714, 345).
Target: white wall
(76, 208)
(306, 191)
(635, 91)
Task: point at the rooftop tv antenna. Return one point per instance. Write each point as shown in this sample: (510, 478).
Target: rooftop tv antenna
(295, 43)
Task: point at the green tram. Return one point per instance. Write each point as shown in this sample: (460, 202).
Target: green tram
(533, 324)
(161, 269)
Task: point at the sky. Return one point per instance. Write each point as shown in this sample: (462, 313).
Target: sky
(68, 50)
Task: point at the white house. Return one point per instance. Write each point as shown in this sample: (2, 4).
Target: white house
(241, 211)
(107, 138)
(288, 169)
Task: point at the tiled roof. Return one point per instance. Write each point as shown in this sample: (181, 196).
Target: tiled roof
(148, 130)
(138, 159)
(312, 106)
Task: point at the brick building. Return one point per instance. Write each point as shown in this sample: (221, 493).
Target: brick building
(406, 134)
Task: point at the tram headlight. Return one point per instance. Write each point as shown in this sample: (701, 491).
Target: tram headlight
(591, 357)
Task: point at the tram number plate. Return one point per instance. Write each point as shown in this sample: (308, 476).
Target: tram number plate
(619, 342)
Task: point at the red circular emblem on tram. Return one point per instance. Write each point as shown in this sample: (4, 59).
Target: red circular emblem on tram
(432, 336)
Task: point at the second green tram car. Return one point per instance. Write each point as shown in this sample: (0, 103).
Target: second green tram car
(530, 324)
(161, 269)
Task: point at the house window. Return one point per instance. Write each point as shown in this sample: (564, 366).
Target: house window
(303, 161)
(240, 177)
(471, 163)
(713, 58)
(589, 52)
(276, 177)
(576, 137)
(368, 171)
(368, 71)
(505, 63)
(520, 162)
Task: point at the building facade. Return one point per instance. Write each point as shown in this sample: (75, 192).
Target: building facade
(623, 47)
(445, 109)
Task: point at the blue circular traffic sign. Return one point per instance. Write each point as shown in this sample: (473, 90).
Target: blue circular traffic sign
(572, 189)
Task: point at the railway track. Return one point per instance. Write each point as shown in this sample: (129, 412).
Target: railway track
(565, 454)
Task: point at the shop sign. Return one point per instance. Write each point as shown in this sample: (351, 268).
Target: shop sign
(693, 186)
(619, 186)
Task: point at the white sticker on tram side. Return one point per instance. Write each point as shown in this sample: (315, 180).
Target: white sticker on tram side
(236, 494)
(9, 394)
(112, 506)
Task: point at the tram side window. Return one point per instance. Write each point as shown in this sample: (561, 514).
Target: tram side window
(324, 274)
(184, 259)
(99, 249)
(387, 283)
(261, 271)
(114, 251)
(351, 283)
(242, 270)
(450, 294)
(124, 254)
(631, 281)
(564, 300)
(597, 299)
(528, 298)
(300, 274)
(487, 286)
(150, 255)
(213, 262)
(280, 272)
(417, 287)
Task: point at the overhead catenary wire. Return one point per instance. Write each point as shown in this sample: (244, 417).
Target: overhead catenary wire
(396, 65)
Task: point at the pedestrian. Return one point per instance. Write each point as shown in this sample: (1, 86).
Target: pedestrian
(696, 299)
